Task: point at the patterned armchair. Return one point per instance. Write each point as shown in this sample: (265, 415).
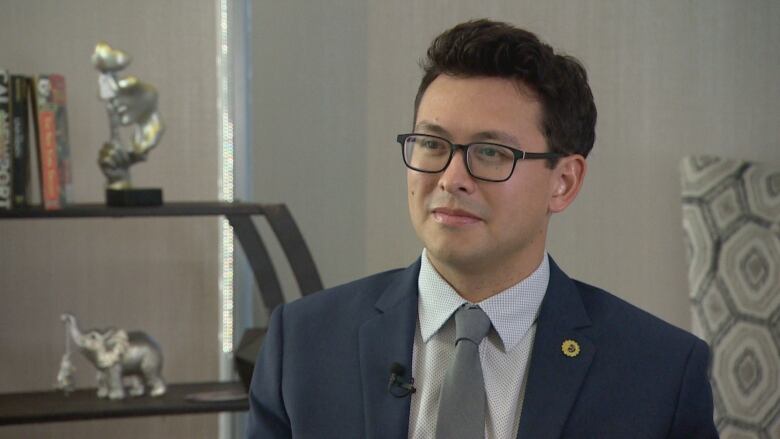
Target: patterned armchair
(731, 218)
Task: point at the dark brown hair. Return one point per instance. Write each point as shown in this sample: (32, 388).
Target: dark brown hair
(495, 49)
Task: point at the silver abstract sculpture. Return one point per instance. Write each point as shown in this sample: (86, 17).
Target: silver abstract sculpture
(118, 355)
(129, 101)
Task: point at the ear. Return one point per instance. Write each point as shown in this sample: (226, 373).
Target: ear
(117, 340)
(568, 176)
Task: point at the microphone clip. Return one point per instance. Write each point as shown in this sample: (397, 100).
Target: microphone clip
(397, 386)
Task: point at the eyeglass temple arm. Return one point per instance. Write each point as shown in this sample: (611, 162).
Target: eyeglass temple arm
(522, 155)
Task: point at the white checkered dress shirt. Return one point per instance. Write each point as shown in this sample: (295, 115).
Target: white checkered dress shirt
(504, 353)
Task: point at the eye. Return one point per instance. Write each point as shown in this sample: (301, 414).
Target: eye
(429, 146)
(429, 143)
(493, 152)
(488, 151)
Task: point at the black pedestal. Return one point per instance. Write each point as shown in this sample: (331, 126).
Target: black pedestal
(133, 197)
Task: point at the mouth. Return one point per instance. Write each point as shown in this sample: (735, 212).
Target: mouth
(454, 217)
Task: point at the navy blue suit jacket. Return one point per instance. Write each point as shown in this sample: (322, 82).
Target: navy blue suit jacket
(324, 367)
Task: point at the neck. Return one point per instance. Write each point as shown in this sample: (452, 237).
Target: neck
(476, 285)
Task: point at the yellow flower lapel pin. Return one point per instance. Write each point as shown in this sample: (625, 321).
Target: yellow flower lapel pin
(570, 348)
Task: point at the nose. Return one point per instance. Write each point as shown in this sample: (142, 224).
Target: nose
(456, 177)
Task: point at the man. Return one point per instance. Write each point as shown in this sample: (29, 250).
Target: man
(499, 341)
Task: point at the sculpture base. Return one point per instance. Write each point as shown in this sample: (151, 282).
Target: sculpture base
(133, 197)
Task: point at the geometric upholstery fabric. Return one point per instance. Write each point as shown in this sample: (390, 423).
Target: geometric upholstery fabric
(731, 219)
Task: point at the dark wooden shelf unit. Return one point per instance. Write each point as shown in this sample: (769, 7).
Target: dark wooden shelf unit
(54, 406)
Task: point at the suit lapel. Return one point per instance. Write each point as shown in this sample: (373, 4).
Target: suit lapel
(554, 379)
(386, 339)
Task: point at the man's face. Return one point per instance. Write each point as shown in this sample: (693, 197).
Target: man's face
(471, 225)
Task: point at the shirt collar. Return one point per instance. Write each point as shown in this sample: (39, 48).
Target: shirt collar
(512, 311)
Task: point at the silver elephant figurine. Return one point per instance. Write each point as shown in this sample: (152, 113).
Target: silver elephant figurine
(118, 354)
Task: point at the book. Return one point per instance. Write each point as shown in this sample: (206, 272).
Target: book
(6, 153)
(20, 138)
(52, 138)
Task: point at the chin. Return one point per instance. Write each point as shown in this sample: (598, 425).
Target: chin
(460, 256)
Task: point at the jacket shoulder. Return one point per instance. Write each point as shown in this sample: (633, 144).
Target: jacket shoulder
(358, 294)
(651, 371)
(617, 317)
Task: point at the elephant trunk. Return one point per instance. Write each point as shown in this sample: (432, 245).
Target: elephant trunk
(73, 329)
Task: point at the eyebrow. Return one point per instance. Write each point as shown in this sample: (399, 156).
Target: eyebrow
(433, 128)
(487, 135)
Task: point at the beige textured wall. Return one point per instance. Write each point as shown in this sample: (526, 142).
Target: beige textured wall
(334, 85)
(158, 275)
(309, 130)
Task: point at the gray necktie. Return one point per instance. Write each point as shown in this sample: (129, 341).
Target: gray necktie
(462, 402)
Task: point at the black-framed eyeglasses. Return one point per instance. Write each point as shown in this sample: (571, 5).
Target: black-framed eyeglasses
(484, 160)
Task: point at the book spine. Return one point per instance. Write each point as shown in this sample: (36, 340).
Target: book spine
(20, 138)
(47, 144)
(6, 154)
(59, 101)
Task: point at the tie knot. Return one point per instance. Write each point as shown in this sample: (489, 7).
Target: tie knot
(471, 323)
